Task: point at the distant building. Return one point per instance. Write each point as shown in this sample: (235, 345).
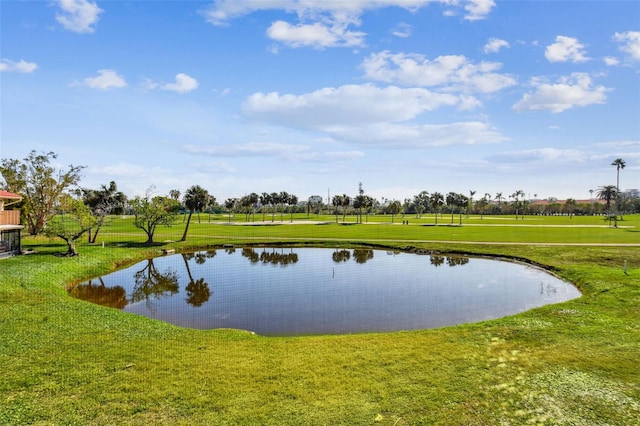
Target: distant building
(316, 199)
(10, 228)
(632, 193)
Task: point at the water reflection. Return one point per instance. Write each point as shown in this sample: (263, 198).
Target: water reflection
(320, 291)
(362, 255)
(150, 283)
(197, 290)
(113, 297)
(272, 257)
(339, 256)
(439, 260)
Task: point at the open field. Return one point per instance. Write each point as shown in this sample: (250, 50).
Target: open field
(65, 361)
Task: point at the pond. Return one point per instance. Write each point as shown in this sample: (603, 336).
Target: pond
(305, 291)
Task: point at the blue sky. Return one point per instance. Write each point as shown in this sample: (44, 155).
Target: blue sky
(307, 96)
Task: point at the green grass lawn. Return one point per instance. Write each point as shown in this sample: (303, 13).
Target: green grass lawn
(65, 361)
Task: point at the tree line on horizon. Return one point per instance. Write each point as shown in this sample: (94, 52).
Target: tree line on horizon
(48, 192)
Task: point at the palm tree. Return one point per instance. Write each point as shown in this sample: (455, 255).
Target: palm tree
(607, 193)
(499, 199)
(265, 200)
(230, 205)
(337, 202)
(620, 164)
(452, 201)
(482, 205)
(516, 201)
(346, 202)
(470, 205)
(394, 207)
(292, 201)
(570, 206)
(195, 199)
(437, 200)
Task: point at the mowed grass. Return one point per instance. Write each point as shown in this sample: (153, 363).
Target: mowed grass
(66, 361)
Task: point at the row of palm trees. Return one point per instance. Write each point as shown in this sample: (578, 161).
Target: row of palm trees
(198, 199)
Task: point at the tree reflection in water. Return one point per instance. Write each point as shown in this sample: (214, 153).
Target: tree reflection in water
(362, 255)
(439, 260)
(340, 256)
(273, 257)
(198, 291)
(113, 297)
(151, 283)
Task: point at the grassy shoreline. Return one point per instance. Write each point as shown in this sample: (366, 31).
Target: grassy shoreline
(66, 361)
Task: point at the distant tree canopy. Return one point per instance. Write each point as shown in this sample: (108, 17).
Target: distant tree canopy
(150, 212)
(40, 184)
(76, 223)
(102, 202)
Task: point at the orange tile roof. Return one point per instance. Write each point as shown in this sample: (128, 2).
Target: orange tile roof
(9, 195)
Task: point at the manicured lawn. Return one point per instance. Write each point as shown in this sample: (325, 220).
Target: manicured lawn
(65, 361)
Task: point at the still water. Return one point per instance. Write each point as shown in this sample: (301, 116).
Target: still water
(302, 291)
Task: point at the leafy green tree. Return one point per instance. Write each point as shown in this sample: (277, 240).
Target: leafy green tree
(150, 212)
(78, 221)
(421, 202)
(103, 202)
(394, 208)
(40, 184)
(195, 199)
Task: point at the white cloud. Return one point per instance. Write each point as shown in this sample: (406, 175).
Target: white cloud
(78, 15)
(569, 92)
(541, 155)
(611, 61)
(630, 43)
(402, 135)
(250, 149)
(315, 35)
(402, 30)
(369, 115)
(148, 84)
(494, 45)
(287, 152)
(21, 66)
(565, 49)
(478, 9)
(349, 104)
(450, 72)
(183, 84)
(106, 79)
(326, 23)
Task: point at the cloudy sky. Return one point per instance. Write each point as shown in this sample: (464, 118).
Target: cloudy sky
(311, 96)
